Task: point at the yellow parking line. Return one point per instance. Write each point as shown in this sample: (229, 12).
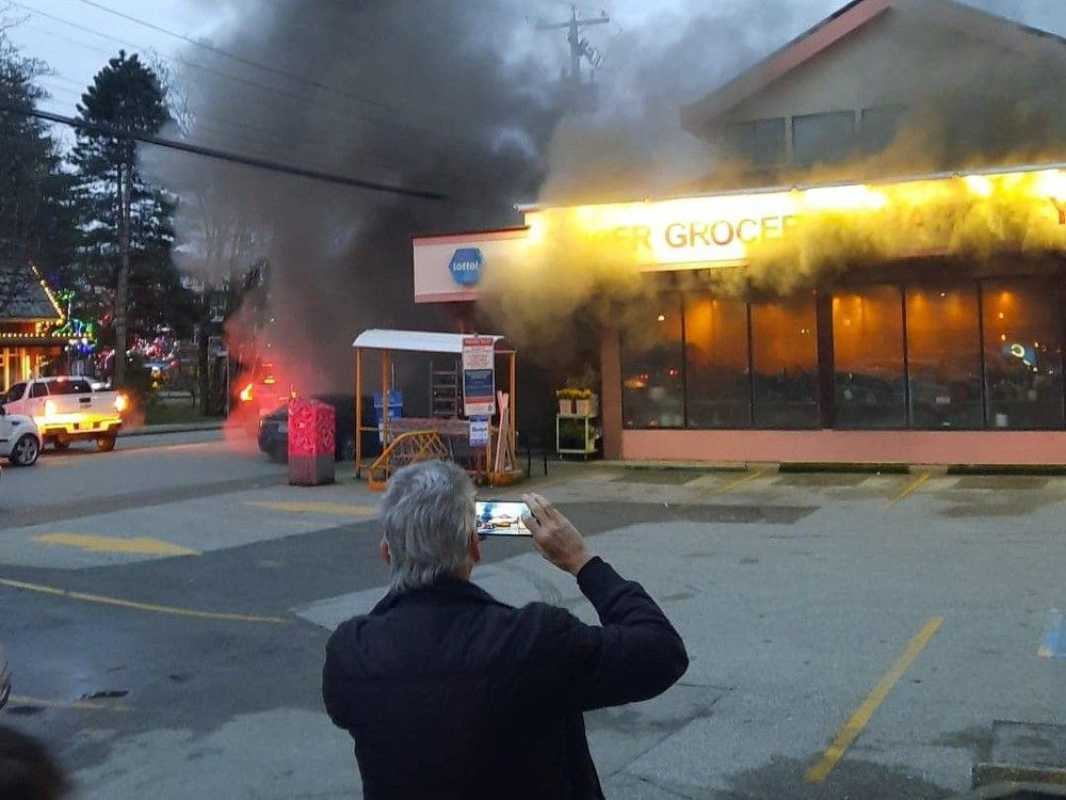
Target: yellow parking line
(854, 726)
(140, 545)
(331, 509)
(910, 488)
(735, 483)
(117, 601)
(22, 700)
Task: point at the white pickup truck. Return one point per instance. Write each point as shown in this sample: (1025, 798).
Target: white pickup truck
(66, 409)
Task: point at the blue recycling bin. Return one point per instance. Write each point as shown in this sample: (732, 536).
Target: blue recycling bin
(395, 410)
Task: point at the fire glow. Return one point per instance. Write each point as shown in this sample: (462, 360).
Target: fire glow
(1017, 210)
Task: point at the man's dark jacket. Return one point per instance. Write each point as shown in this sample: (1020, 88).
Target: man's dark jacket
(449, 693)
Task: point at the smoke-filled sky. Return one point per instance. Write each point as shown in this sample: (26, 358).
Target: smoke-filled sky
(448, 95)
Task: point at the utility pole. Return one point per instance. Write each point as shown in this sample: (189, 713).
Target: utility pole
(579, 48)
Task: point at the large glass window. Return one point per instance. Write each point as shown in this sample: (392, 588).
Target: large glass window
(653, 379)
(944, 357)
(869, 384)
(823, 138)
(719, 386)
(784, 340)
(1023, 354)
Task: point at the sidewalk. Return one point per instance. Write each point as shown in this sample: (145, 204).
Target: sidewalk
(180, 427)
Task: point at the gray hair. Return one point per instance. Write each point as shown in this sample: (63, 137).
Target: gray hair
(428, 517)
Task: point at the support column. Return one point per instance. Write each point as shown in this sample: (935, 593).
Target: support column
(611, 392)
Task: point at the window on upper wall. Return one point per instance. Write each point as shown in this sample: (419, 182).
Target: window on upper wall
(879, 127)
(784, 341)
(759, 143)
(944, 357)
(869, 383)
(823, 138)
(653, 366)
(1023, 354)
(717, 377)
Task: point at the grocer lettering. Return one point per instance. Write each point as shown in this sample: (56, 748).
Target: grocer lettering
(466, 266)
(724, 232)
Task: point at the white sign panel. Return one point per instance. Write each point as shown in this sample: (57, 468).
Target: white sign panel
(479, 376)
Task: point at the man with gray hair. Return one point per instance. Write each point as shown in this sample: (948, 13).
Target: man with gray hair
(449, 693)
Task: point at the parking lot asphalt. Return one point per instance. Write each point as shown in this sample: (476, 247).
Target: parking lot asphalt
(850, 635)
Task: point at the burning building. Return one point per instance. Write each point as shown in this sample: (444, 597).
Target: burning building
(873, 272)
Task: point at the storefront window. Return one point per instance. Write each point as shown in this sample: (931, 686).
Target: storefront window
(869, 384)
(784, 340)
(653, 375)
(1023, 354)
(944, 357)
(719, 386)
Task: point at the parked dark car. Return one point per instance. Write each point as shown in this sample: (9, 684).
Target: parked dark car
(274, 429)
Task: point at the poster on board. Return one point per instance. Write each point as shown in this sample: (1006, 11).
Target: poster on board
(479, 376)
(479, 431)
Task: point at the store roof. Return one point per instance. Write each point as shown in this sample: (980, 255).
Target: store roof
(841, 24)
(24, 296)
(421, 341)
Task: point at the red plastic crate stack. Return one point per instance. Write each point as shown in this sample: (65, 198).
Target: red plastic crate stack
(312, 441)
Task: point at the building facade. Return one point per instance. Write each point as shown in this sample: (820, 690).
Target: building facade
(28, 312)
(897, 298)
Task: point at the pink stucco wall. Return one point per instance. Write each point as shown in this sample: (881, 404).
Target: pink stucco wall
(823, 446)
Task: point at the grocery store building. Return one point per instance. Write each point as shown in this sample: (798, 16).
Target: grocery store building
(938, 339)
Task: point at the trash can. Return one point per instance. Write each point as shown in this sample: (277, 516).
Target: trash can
(312, 442)
(395, 410)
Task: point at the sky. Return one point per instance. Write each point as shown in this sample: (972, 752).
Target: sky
(75, 38)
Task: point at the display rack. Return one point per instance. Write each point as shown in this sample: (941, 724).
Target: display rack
(586, 435)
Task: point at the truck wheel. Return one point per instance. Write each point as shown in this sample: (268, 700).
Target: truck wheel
(26, 451)
(105, 444)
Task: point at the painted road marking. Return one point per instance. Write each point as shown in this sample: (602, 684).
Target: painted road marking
(115, 544)
(738, 481)
(910, 488)
(332, 509)
(117, 601)
(22, 700)
(854, 726)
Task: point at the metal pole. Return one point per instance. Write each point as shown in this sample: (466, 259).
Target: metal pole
(358, 411)
(514, 405)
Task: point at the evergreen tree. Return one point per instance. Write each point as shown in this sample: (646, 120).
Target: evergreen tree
(37, 214)
(127, 224)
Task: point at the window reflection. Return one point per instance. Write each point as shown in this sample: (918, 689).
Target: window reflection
(653, 394)
(944, 357)
(719, 387)
(869, 384)
(785, 362)
(1023, 354)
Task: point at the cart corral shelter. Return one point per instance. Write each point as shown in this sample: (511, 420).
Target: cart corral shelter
(447, 435)
(28, 312)
(935, 349)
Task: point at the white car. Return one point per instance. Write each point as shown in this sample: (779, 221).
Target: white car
(20, 440)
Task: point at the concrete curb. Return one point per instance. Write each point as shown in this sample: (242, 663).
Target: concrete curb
(158, 430)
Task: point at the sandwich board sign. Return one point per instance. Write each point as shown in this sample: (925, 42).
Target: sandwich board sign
(479, 376)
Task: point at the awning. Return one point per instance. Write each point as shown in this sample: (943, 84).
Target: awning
(422, 341)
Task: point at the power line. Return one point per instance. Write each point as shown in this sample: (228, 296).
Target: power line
(241, 59)
(303, 99)
(222, 155)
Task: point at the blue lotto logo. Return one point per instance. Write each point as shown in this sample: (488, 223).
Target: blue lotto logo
(465, 266)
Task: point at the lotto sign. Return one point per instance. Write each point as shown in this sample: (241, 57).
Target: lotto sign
(479, 376)
(479, 432)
